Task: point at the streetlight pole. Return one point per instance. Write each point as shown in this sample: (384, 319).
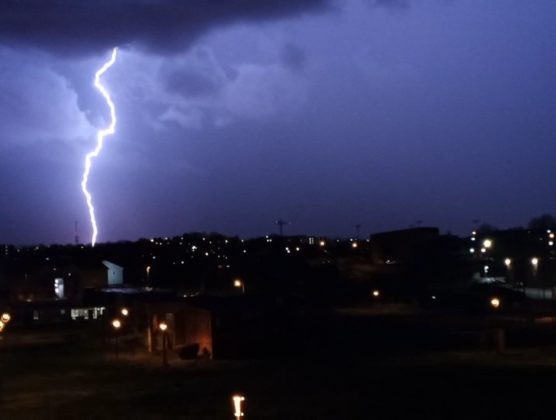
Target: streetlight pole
(116, 323)
(4, 320)
(164, 327)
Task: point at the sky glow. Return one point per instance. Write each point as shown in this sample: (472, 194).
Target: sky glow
(345, 118)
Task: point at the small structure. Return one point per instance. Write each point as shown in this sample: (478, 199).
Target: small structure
(115, 273)
(189, 330)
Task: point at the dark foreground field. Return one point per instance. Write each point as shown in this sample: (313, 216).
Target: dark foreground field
(75, 380)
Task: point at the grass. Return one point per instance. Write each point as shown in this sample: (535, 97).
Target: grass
(81, 380)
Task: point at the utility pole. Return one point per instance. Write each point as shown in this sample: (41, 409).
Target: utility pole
(76, 234)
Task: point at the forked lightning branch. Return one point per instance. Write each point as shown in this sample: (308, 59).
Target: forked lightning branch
(101, 135)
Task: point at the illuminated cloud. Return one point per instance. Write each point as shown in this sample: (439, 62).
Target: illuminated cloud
(33, 98)
(197, 90)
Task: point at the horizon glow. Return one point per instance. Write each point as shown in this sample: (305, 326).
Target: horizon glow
(101, 135)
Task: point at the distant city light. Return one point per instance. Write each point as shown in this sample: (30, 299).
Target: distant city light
(116, 324)
(550, 243)
(487, 243)
(535, 261)
(5, 318)
(508, 262)
(376, 293)
(162, 326)
(125, 312)
(471, 250)
(551, 236)
(1, 326)
(485, 268)
(495, 302)
(322, 243)
(354, 245)
(474, 233)
(238, 400)
(483, 250)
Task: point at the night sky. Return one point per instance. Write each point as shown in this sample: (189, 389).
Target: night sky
(232, 114)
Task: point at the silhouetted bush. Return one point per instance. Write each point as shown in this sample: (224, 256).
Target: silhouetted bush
(189, 352)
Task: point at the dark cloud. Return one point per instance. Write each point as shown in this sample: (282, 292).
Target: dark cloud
(190, 83)
(294, 57)
(76, 27)
(200, 75)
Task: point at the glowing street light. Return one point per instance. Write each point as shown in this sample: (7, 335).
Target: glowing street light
(2, 326)
(238, 400)
(376, 293)
(495, 302)
(124, 311)
(5, 318)
(487, 243)
(238, 283)
(508, 262)
(354, 245)
(322, 244)
(164, 328)
(535, 262)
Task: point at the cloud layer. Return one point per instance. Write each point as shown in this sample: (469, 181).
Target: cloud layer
(76, 27)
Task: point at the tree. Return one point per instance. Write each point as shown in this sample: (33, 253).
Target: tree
(544, 221)
(485, 228)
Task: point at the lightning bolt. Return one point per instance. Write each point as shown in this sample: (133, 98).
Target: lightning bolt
(101, 135)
